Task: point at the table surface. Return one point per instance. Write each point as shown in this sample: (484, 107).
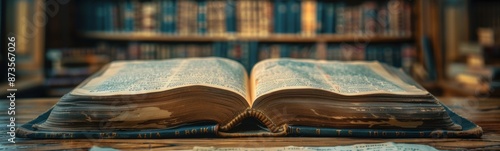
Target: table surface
(484, 112)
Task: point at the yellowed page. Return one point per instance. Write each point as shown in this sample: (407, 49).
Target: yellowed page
(344, 78)
(139, 77)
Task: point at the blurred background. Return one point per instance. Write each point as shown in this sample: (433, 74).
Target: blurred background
(451, 47)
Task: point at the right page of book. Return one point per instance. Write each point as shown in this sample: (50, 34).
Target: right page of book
(344, 78)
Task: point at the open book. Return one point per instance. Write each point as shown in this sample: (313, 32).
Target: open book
(201, 97)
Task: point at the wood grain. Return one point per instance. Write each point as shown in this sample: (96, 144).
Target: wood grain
(484, 112)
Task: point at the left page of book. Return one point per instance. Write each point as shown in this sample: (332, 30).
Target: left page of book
(139, 77)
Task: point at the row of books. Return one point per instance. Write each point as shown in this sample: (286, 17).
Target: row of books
(247, 17)
(71, 66)
(248, 53)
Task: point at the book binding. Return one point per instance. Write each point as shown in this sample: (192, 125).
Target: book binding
(205, 130)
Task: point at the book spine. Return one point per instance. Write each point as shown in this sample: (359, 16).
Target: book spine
(163, 16)
(280, 19)
(229, 11)
(128, 14)
(240, 16)
(357, 20)
(298, 16)
(182, 132)
(395, 8)
(181, 18)
(253, 22)
(407, 19)
(222, 24)
(373, 133)
(319, 16)
(340, 18)
(172, 28)
(290, 14)
(383, 21)
(388, 54)
(308, 18)
(253, 55)
(369, 18)
(264, 52)
(397, 54)
(201, 17)
(210, 17)
(329, 17)
(111, 16)
(429, 58)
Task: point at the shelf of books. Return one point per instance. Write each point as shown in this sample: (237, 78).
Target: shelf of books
(258, 20)
(151, 36)
(243, 30)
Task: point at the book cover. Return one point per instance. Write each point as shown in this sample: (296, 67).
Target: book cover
(382, 101)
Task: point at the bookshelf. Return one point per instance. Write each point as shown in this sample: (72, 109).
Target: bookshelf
(22, 21)
(472, 52)
(127, 25)
(139, 36)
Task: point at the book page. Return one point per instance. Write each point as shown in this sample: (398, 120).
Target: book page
(138, 77)
(345, 78)
(279, 74)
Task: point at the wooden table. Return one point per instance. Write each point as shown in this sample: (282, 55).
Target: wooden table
(484, 112)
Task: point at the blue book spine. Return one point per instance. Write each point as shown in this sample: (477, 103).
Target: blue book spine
(370, 53)
(380, 53)
(245, 56)
(388, 56)
(224, 49)
(276, 28)
(284, 51)
(319, 16)
(168, 19)
(469, 130)
(298, 16)
(111, 16)
(333, 52)
(398, 56)
(230, 11)
(201, 17)
(128, 14)
(329, 18)
(195, 130)
(283, 9)
(173, 12)
(98, 15)
(105, 16)
(164, 16)
(216, 49)
(219, 49)
(87, 15)
(369, 18)
(305, 131)
(253, 54)
(290, 16)
(337, 52)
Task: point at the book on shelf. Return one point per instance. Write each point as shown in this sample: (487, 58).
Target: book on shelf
(246, 52)
(248, 17)
(215, 97)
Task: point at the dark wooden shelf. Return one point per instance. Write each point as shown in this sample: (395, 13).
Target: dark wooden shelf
(271, 38)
